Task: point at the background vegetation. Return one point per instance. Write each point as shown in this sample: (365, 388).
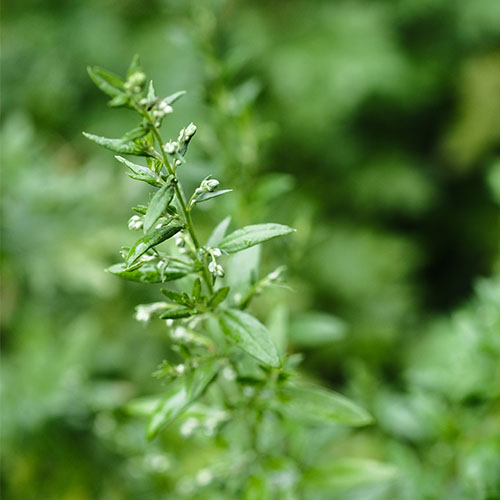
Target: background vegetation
(371, 126)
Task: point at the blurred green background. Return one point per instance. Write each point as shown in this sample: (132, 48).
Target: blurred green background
(372, 126)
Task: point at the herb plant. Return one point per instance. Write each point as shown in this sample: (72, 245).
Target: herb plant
(228, 375)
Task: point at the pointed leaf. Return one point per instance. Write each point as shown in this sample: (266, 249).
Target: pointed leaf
(118, 145)
(148, 273)
(318, 405)
(109, 83)
(179, 298)
(180, 395)
(178, 313)
(150, 240)
(158, 205)
(135, 65)
(250, 335)
(252, 235)
(140, 172)
(218, 297)
(208, 195)
(174, 97)
(135, 133)
(219, 232)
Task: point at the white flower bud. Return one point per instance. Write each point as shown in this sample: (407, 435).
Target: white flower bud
(209, 185)
(216, 252)
(135, 222)
(171, 147)
(212, 267)
(190, 130)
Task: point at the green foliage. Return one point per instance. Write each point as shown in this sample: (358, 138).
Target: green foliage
(192, 317)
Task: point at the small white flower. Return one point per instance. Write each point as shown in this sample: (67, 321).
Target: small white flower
(169, 322)
(165, 108)
(219, 271)
(135, 222)
(180, 369)
(143, 312)
(209, 185)
(179, 333)
(171, 147)
(216, 252)
(212, 267)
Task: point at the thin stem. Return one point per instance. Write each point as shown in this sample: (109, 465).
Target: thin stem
(180, 197)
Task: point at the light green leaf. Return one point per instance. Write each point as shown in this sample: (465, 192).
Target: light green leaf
(252, 235)
(135, 65)
(250, 335)
(150, 240)
(139, 172)
(110, 84)
(318, 405)
(348, 473)
(174, 97)
(314, 329)
(148, 273)
(219, 232)
(158, 205)
(118, 145)
(208, 195)
(179, 298)
(180, 395)
(218, 297)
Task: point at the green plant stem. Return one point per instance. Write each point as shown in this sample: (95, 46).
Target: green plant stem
(185, 212)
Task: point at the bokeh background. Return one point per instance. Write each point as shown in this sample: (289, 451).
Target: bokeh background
(372, 126)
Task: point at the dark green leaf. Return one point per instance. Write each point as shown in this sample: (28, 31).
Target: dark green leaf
(252, 235)
(178, 313)
(219, 232)
(179, 298)
(150, 240)
(158, 205)
(180, 395)
(250, 335)
(315, 404)
(118, 145)
(218, 297)
(110, 84)
(148, 273)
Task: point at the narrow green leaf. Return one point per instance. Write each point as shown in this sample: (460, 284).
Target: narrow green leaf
(250, 335)
(218, 297)
(179, 298)
(348, 473)
(150, 240)
(196, 292)
(318, 405)
(219, 232)
(174, 97)
(110, 84)
(135, 133)
(180, 395)
(118, 145)
(252, 235)
(139, 172)
(178, 313)
(148, 273)
(119, 100)
(158, 205)
(208, 195)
